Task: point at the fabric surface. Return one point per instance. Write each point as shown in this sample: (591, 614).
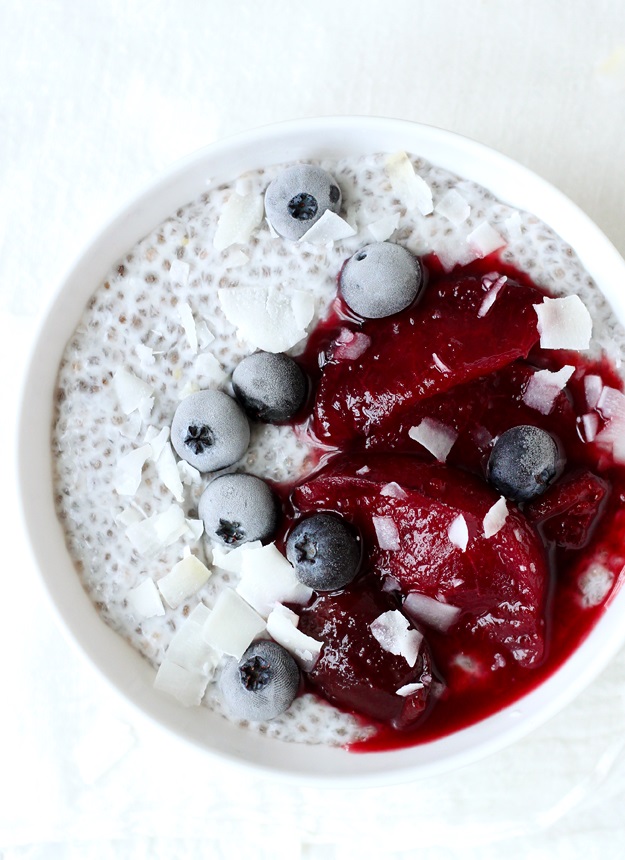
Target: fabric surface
(95, 99)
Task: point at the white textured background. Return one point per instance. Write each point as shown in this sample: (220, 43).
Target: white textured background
(95, 98)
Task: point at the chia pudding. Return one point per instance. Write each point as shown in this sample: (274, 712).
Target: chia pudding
(215, 283)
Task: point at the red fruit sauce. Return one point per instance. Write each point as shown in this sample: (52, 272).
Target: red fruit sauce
(522, 606)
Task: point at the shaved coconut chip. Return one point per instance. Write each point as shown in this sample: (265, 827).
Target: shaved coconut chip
(267, 318)
(204, 334)
(129, 469)
(590, 426)
(595, 584)
(157, 439)
(131, 427)
(458, 532)
(231, 560)
(185, 686)
(282, 625)
(412, 190)
(267, 578)
(544, 386)
(329, 228)
(240, 216)
(435, 437)
(363, 470)
(383, 228)
(131, 391)
(129, 516)
(189, 475)
(427, 610)
(495, 518)
(386, 533)
(145, 355)
(593, 386)
(243, 185)
(392, 630)
(151, 535)
(209, 371)
(454, 207)
(186, 578)
(440, 365)
(350, 345)
(393, 491)
(188, 323)
(167, 471)
(232, 625)
(494, 288)
(611, 405)
(236, 257)
(195, 529)
(485, 239)
(513, 226)
(409, 689)
(179, 272)
(190, 387)
(145, 599)
(564, 323)
(145, 407)
(188, 647)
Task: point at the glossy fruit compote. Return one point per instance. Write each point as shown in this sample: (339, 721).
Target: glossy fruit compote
(502, 592)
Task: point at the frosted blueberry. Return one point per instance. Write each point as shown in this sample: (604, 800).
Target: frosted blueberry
(524, 461)
(271, 387)
(209, 430)
(298, 197)
(238, 508)
(324, 551)
(381, 279)
(262, 685)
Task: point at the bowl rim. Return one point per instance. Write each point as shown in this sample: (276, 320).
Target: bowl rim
(76, 616)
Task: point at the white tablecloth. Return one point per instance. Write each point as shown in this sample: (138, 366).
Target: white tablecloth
(96, 98)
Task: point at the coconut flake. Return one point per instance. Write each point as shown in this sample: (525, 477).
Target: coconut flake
(328, 229)
(188, 648)
(128, 516)
(495, 518)
(268, 318)
(188, 323)
(145, 599)
(383, 228)
(232, 625)
(131, 427)
(393, 491)
(128, 470)
(267, 578)
(282, 624)
(145, 355)
(590, 426)
(204, 334)
(236, 257)
(593, 386)
(185, 579)
(195, 529)
(458, 532)
(439, 364)
(494, 286)
(485, 239)
(412, 190)
(454, 207)
(564, 323)
(179, 272)
(152, 534)
(185, 686)
(131, 391)
(189, 475)
(240, 216)
(231, 560)
(363, 470)
(611, 405)
(409, 689)
(513, 226)
(209, 371)
(434, 613)
(386, 533)
(544, 386)
(157, 439)
(350, 345)
(435, 437)
(392, 630)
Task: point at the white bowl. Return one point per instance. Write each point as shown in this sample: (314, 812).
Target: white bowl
(129, 673)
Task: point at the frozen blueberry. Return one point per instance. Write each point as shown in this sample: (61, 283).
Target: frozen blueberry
(237, 509)
(298, 197)
(381, 279)
(324, 551)
(270, 387)
(262, 684)
(524, 461)
(210, 430)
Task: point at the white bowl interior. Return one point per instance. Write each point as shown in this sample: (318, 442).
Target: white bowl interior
(117, 662)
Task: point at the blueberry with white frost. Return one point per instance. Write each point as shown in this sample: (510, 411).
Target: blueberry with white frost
(380, 280)
(271, 387)
(524, 461)
(210, 430)
(298, 197)
(238, 508)
(324, 551)
(262, 685)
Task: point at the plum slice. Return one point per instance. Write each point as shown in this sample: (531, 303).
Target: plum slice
(499, 583)
(424, 351)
